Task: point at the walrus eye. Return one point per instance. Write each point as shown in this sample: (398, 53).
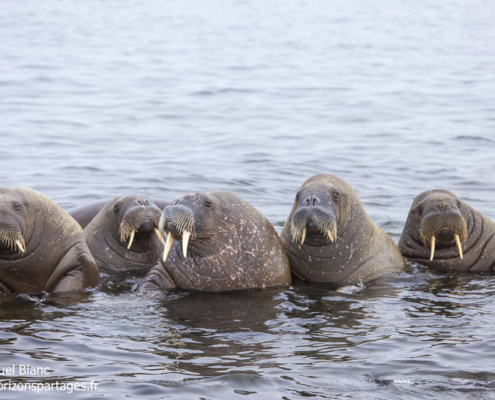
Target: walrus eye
(17, 206)
(116, 207)
(297, 197)
(208, 203)
(336, 195)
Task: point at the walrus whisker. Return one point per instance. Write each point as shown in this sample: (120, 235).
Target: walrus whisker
(157, 232)
(303, 236)
(168, 246)
(185, 240)
(458, 241)
(432, 248)
(131, 240)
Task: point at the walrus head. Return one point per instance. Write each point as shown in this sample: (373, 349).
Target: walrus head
(137, 215)
(315, 213)
(12, 215)
(442, 223)
(188, 217)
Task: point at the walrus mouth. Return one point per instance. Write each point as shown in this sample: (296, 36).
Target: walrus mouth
(322, 220)
(181, 220)
(12, 237)
(442, 227)
(134, 219)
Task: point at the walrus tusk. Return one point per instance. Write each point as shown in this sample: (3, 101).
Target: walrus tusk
(157, 232)
(458, 241)
(303, 236)
(131, 240)
(432, 247)
(20, 246)
(185, 240)
(330, 235)
(168, 246)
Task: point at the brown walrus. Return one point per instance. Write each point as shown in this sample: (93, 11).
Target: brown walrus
(330, 238)
(84, 214)
(442, 231)
(123, 236)
(42, 248)
(217, 241)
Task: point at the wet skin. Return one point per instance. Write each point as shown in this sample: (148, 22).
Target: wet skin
(42, 248)
(444, 232)
(217, 241)
(330, 238)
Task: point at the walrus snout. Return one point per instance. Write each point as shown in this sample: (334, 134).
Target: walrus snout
(178, 221)
(11, 236)
(140, 217)
(313, 220)
(441, 228)
(147, 226)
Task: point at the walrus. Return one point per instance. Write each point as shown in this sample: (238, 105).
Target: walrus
(124, 236)
(42, 248)
(217, 241)
(84, 214)
(443, 232)
(329, 237)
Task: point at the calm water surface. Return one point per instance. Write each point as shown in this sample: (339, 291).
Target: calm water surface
(102, 98)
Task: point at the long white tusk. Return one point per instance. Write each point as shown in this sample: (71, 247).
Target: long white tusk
(185, 240)
(330, 236)
(168, 246)
(131, 240)
(303, 236)
(458, 241)
(20, 246)
(432, 247)
(157, 232)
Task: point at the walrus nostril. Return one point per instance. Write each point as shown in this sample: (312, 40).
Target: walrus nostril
(311, 201)
(146, 226)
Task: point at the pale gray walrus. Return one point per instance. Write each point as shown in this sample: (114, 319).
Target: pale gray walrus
(217, 241)
(330, 238)
(443, 232)
(124, 236)
(42, 248)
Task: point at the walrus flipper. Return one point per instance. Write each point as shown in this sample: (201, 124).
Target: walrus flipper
(76, 271)
(157, 280)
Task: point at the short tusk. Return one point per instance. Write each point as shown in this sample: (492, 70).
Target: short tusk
(303, 236)
(185, 240)
(20, 246)
(157, 232)
(432, 247)
(330, 235)
(131, 240)
(458, 241)
(168, 246)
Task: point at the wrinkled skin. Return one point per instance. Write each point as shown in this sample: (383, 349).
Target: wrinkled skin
(108, 238)
(232, 246)
(442, 206)
(56, 257)
(360, 251)
(85, 214)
